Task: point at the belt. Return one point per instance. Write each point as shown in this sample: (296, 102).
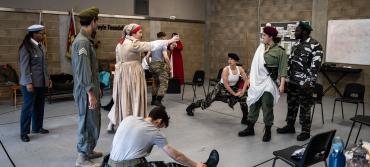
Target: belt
(126, 163)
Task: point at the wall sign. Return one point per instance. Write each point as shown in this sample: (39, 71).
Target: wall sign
(111, 27)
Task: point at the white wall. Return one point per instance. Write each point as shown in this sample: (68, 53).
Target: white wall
(182, 9)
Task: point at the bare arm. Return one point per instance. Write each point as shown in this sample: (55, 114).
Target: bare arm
(180, 157)
(282, 85)
(246, 80)
(166, 58)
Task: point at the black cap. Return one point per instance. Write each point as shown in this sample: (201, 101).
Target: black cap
(305, 26)
(233, 56)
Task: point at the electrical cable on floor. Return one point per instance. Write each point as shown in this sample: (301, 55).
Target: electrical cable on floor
(6, 152)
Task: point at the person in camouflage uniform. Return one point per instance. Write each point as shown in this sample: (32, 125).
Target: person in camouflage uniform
(228, 90)
(303, 66)
(160, 68)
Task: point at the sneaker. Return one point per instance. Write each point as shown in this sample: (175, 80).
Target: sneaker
(86, 162)
(303, 136)
(286, 129)
(213, 159)
(95, 154)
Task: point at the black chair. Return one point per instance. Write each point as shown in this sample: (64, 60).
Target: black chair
(214, 81)
(358, 119)
(353, 93)
(317, 150)
(198, 80)
(318, 93)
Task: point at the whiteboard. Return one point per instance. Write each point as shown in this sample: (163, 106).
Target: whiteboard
(348, 41)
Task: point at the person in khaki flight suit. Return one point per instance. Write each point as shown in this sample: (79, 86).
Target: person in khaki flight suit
(86, 90)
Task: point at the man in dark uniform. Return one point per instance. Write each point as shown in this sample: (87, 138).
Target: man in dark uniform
(303, 66)
(86, 89)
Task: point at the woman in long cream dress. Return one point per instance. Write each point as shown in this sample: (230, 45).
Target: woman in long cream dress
(129, 85)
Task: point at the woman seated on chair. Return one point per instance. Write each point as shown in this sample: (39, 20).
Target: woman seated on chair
(230, 89)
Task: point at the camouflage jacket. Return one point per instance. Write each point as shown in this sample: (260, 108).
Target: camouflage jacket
(304, 62)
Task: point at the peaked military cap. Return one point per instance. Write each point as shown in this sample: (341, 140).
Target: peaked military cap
(35, 28)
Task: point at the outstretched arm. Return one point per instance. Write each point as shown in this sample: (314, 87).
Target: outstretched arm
(180, 157)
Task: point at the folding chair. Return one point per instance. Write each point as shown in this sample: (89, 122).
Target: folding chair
(317, 150)
(353, 93)
(198, 80)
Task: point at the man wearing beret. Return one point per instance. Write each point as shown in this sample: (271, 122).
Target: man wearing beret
(303, 66)
(86, 89)
(34, 80)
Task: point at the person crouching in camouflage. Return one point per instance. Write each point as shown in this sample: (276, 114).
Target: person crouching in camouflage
(303, 66)
(228, 90)
(160, 68)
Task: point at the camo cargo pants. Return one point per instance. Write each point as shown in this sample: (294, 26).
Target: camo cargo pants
(302, 100)
(161, 75)
(219, 93)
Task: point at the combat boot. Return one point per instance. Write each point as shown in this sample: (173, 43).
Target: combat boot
(289, 128)
(267, 135)
(249, 131)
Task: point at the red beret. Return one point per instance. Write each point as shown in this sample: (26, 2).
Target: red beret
(271, 31)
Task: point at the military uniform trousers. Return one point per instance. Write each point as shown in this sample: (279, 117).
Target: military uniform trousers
(88, 124)
(266, 101)
(219, 93)
(302, 100)
(32, 109)
(161, 75)
(141, 162)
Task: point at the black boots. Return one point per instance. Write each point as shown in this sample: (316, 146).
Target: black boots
(213, 159)
(154, 98)
(158, 101)
(303, 136)
(189, 109)
(267, 135)
(108, 106)
(289, 128)
(245, 117)
(249, 131)
(286, 129)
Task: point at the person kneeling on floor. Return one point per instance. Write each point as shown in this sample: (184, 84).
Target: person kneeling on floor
(135, 137)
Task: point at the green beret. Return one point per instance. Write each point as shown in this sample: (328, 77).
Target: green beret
(305, 26)
(89, 13)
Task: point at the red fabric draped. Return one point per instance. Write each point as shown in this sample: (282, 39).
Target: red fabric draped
(178, 67)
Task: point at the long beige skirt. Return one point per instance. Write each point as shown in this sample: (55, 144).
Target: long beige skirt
(129, 92)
